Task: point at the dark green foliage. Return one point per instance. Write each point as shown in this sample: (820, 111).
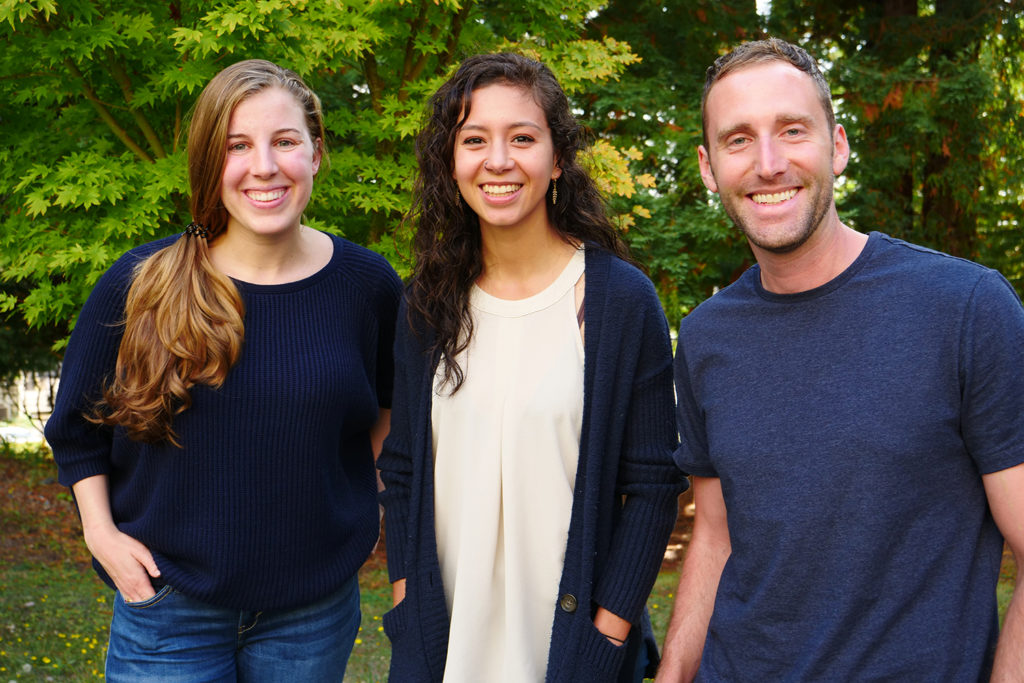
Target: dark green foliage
(930, 94)
(95, 95)
(687, 243)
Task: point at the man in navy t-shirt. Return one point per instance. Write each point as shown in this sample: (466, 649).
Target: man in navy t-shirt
(852, 411)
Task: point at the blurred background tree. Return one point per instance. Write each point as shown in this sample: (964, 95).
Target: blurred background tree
(932, 96)
(684, 239)
(94, 97)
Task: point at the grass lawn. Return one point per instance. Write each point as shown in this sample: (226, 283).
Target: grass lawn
(54, 612)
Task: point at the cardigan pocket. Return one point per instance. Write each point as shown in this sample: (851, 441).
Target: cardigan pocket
(395, 620)
(598, 659)
(408, 660)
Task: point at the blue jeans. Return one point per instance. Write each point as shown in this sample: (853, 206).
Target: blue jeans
(173, 638)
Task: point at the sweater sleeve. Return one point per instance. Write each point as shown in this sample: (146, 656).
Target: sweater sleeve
(395, 461)
(390, 294)
(647, 477)
(81, 448)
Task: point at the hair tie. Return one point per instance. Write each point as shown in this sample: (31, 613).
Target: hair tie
(194, 229)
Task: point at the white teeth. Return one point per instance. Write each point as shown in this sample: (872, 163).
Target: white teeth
(265, 196)
(497, 190)
(774, 198)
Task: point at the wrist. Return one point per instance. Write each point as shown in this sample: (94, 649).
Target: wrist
(98, 533)
(614, 640)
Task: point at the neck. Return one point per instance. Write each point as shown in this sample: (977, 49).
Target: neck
(829, 251)
(520, 263)
(271, 259)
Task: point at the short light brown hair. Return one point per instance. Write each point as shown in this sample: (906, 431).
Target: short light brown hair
(760, 52)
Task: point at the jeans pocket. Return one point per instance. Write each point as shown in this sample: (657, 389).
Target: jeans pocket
(149, 602)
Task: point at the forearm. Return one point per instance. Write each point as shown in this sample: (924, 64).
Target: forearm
(1005, 492)
(93, 497)
(1009, 661)
(614, 627)
(706, 556)
(691, 614)
(398, 591)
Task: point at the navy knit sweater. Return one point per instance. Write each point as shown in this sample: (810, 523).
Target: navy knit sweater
(624, 500)
(271, 501)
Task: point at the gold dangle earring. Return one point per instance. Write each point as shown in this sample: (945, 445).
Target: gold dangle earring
(458, 195)
(554, 191)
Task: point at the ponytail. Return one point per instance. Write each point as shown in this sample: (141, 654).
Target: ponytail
(182, 326)
(183, 318)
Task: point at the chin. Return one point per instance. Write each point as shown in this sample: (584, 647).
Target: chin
(772, 242)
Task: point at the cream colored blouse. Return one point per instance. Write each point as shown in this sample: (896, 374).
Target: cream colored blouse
(506, 447)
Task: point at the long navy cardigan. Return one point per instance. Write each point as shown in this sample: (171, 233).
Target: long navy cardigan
(624, 500)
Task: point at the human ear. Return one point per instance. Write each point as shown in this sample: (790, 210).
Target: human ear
(706, 173)
(840, 150)
(317, 154)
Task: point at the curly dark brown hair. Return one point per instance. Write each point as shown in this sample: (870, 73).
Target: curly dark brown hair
(447, 242)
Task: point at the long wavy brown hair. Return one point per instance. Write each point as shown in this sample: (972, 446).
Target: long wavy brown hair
(183, 321)
(447, 241)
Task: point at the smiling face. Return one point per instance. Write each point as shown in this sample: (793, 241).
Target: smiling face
(269, 164)
(504, 158)
(771, 155)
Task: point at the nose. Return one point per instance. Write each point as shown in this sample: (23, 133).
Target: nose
(771, 161)
(498, 159)
(264, 163)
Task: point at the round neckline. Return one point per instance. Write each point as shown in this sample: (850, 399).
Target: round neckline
(823, 289)
(514, 308)
(301, 283)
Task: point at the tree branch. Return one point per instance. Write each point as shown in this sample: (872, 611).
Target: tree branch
(121, 78)
(104, 114)
(415, 29)
(458, 21)
(412, 71)
(177, 123)
(373, 81)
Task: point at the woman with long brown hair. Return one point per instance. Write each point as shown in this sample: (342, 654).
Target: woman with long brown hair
(224, 394)
(529, 482)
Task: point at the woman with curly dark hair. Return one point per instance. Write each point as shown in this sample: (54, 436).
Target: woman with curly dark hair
(530, 487)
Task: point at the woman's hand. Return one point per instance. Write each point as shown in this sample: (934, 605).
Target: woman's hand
(127, 561)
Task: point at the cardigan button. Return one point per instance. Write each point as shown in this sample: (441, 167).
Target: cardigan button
(568, 602)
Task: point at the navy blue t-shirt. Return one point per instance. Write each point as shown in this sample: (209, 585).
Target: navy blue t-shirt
(849, 426)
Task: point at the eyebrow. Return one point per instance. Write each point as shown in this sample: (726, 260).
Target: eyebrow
(783, 119)
(517, 124)
(296, 131)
